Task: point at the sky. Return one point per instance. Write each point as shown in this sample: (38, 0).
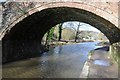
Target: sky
(84, 26)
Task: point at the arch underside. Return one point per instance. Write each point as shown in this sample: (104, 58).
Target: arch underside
(30, 30)
(36, 25)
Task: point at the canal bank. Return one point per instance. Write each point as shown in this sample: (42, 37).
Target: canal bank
(99, 65)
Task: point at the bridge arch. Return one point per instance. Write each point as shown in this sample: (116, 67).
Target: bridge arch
(108, 11)
(24, 37)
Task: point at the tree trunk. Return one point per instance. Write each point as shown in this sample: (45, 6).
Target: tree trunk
(76, 36)
(60, 32)
(47, 38)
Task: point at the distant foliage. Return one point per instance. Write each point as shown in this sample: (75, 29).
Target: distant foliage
(49, 36)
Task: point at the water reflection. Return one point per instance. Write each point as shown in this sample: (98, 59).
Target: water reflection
(61, 62)
(102, 62)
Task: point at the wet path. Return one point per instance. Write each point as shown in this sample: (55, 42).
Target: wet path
(101, 66)
(61, 62)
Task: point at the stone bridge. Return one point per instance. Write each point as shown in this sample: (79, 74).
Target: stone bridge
(24, 24)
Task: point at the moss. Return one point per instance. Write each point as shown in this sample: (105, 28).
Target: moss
(91, 52)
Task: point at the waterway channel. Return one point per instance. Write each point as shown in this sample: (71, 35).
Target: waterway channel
(64, 61)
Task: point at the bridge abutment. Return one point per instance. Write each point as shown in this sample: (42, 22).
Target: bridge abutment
(18, 49)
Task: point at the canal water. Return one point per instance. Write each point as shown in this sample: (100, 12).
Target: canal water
(60, 62)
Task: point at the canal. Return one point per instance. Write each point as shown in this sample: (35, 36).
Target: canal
(64, 61)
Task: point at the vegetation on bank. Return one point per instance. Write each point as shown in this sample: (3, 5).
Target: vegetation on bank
(91, 53)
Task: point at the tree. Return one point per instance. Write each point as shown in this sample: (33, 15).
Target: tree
(49, 36)
(76, 36)
(60, 31)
